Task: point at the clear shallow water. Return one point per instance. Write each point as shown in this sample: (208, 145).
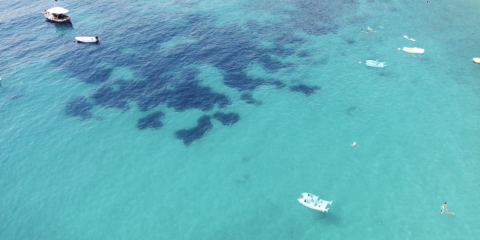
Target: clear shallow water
(74, 165)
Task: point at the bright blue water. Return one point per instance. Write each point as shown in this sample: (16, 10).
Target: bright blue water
(208, 119)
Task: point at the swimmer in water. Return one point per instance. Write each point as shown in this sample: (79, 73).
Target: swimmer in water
(354, 144)
(380, 26)
(444, 209)
(369, 29)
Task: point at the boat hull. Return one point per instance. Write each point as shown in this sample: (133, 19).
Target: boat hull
(55, 19)
(476, 60)
(414, 50)
(314, 202)
(87, 39)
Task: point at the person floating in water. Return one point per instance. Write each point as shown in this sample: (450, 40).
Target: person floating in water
(354, 144)
(445, 210)
(369, 29)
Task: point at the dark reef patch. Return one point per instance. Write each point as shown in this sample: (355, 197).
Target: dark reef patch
(248, 98)
(273, 82)
(350, 110)
(163, 77)
(180, 93)
(79, 107)
(187, 95)
(351, 41)
(111, 96)
(289, 38)
(281, 51)
(192, 134)
(272, 65)
(226, 118)
(303, 54)
(307, 90)
(318, 17)
(383, 74)
(151, 121)
(241, 81)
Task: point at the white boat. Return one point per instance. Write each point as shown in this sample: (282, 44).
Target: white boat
(56, 14)
(411, 39)
(414, 50)
(476, 60)
(314, 202)
(87, 39)
(375, 63)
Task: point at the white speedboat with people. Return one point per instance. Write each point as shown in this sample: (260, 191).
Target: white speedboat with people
(314, 202)
(411, 39)
(414, 50)
(87, 39)
(56, 14)
(375, 63)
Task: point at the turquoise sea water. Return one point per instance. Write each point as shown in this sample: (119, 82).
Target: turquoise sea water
(68, 172)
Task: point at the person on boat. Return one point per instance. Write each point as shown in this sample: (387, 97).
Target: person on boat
(444, 209)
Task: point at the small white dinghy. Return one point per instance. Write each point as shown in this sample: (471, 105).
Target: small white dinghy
(314, 202)
(87, 39)
(411, 39)
(414, 50)
(476, 60)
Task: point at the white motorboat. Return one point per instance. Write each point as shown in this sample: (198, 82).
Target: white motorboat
(476, 60)
(56, 14)
(414, 50)
(411, 39)
(314, 202)
(87, 39)
(375, 63)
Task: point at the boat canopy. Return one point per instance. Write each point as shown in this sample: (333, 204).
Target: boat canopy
(57, 10)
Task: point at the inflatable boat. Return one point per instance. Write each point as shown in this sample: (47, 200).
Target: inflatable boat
(314, 202)
(414, 50)
(375, 63)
